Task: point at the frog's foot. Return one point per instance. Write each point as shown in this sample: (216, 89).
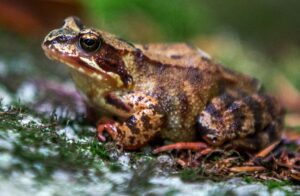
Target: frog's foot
(195, 146)
(109, 126)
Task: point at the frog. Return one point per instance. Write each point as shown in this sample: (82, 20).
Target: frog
(172, 92)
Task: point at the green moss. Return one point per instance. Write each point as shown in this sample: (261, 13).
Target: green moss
(115, 167)
(172, 192)
(271, 184)
(41, 148)
(249, 179)
(139, 181)
(190, 174)
(274, 184)
(278, 185)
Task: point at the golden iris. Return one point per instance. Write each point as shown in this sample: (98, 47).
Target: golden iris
(89, 42)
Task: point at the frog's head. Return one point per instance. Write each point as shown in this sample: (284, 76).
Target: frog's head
(96, 54)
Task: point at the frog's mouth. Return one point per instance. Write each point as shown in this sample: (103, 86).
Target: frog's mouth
(85, 66)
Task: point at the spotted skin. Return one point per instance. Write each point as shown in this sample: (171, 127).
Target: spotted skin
(140, 127)
(237, 119)
(173, 92)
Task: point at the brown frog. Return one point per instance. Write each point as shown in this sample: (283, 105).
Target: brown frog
(170, 91)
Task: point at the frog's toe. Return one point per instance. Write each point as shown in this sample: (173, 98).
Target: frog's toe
(195, 146)
(109, 127)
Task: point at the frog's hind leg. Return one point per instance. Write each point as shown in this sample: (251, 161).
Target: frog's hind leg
(241, 119)
(260, 139)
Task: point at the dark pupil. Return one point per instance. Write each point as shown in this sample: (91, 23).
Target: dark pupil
(89, 44)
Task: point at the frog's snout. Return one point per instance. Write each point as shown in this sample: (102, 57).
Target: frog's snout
(46, 42)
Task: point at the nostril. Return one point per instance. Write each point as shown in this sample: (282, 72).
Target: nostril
(45, 43)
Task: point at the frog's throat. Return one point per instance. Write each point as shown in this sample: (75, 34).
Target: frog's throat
(89, 68)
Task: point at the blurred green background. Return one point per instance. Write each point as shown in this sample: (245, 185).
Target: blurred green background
(265, 23)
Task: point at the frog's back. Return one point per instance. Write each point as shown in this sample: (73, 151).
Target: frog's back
(181, 56)
(180, 68)
(178, 54)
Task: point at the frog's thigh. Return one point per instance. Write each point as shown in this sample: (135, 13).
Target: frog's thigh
(139, 129)
(229, 118)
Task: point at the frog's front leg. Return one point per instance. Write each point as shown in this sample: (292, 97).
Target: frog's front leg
(140, 127)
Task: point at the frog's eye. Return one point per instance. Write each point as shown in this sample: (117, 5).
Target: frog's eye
(89, 42)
